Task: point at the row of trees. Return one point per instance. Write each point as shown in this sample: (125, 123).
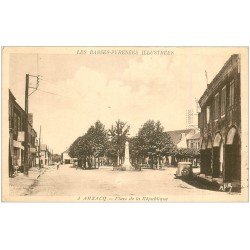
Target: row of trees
(98, 145)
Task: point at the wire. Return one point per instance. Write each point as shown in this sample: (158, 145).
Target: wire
(43, 91)
(47, 92)
(32, 92)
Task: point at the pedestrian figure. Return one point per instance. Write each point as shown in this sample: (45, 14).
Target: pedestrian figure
(57, 165)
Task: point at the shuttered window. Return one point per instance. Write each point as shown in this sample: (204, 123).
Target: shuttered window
(231, 94)
(216, 106)
(208, 114)
(223, 101)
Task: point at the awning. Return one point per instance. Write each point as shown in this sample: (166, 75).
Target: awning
(18, 144)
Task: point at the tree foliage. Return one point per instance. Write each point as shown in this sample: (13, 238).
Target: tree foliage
(152, 141)
(92, 144)
(118, 135)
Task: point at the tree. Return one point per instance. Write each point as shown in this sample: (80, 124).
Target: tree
(153, 142)
(118, 135)
(56, 158)
(74, 149)
(97, 139)
(90, 146)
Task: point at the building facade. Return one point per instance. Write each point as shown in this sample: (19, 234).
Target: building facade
(17, 121)
(32, 142)
(220, 124)
(185, 139)
(193, 141)
(45, 155)
(66, 159)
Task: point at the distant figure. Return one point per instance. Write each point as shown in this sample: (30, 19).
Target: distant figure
(57, 165)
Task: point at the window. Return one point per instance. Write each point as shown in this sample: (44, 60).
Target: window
(231, 94)
(208, 114)
(216, 106)
(223, 101)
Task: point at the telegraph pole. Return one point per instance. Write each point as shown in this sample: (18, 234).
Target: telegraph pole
(26, 120)
(26, 127)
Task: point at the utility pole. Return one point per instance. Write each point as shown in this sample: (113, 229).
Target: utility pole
(26, 127)
(26, 123)
(39, 147)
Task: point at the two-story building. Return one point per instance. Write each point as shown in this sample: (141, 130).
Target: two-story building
(181, 138)
(220, 124)
(193, 141)
(185, 139)
(16, 134)
(44, 155)
(17, 119)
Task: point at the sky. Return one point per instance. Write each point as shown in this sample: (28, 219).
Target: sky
(134, 88)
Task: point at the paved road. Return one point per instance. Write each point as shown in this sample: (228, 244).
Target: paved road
(68, 181)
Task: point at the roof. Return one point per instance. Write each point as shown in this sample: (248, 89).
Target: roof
(176, 134)
(195, 136)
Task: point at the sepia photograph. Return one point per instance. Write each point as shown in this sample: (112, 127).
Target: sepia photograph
(125, 124)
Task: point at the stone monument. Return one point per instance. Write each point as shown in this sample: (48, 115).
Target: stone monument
(126, 165)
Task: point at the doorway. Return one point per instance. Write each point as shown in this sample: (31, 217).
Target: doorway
(233, 157)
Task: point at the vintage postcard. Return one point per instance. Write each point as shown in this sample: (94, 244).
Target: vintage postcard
(125, 124)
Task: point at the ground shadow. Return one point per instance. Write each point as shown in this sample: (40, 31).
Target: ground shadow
(197, 183)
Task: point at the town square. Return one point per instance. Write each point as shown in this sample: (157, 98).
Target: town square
(131, 122)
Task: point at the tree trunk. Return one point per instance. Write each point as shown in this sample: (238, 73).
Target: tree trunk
(118, 158)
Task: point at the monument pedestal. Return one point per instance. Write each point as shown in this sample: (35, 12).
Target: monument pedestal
(127, 165)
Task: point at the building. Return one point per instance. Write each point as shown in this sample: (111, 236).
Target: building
(44, 155)
(193, 141)
(66, 159)
(181, 138)
(32, 143)
(184, 139)
(17, 121)
(220, 124)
